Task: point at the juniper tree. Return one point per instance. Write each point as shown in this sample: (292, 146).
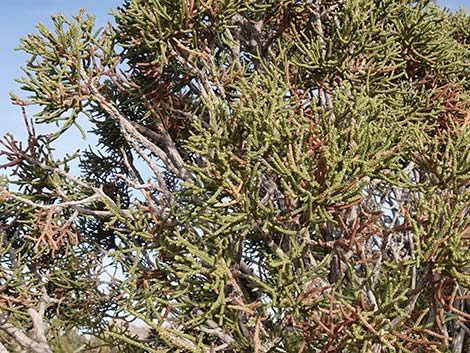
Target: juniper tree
(269, 176)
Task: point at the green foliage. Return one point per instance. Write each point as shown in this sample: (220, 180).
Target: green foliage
(270, 176)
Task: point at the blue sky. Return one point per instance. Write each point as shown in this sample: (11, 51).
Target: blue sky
(19, 17)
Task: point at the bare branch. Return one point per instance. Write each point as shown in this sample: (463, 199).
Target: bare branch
(36, 345)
